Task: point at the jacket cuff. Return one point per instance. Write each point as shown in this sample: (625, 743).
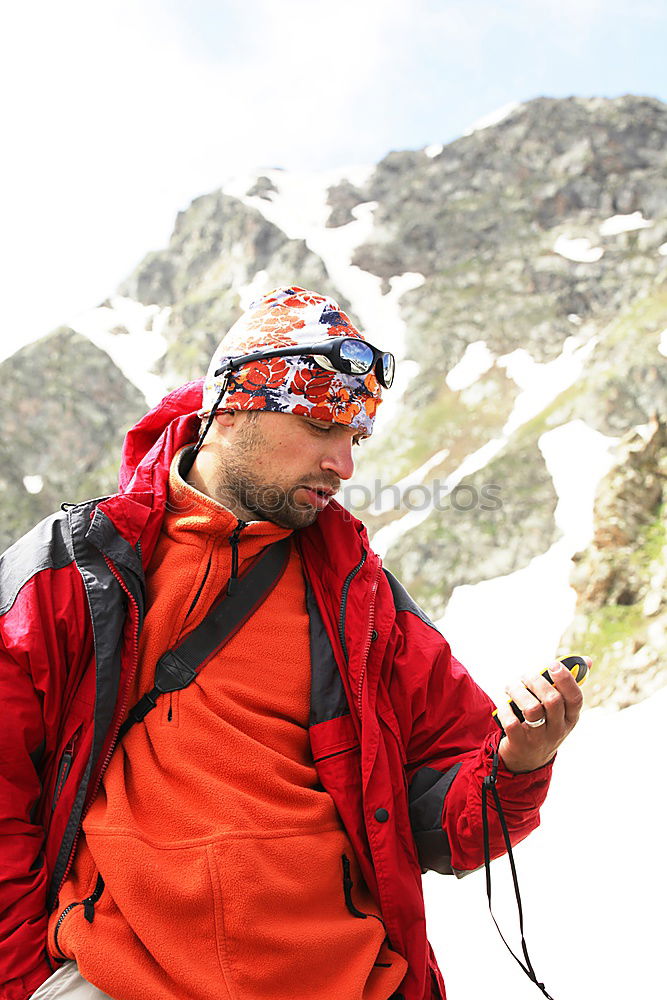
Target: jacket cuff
(525, 788)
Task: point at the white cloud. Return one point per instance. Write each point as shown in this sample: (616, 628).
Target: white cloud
(119, 118)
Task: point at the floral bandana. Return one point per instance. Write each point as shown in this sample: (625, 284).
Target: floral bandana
(288, 317)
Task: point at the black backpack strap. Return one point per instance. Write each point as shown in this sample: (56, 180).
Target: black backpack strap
(178, 667)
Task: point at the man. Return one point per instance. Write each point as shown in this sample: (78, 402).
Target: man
(261, 831)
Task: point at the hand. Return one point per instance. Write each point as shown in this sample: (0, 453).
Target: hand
(523, 748)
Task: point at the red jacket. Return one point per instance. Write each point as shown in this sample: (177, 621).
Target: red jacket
(400, 733)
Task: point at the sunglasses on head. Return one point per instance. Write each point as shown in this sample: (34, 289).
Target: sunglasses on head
(348, 355)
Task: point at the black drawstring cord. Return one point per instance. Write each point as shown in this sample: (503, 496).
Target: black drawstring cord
(188, 460)
(490, 783)
(347, 890)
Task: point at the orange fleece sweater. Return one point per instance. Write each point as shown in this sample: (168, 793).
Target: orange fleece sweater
(221, 854)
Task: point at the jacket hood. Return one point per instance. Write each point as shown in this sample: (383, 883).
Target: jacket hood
(169, 426)
(149, 447)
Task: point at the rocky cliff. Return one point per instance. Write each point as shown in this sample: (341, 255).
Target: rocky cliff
(520, 275)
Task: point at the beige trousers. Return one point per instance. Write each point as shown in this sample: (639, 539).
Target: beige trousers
(68, 982)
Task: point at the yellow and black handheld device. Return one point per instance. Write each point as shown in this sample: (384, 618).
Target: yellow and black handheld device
(577, 667)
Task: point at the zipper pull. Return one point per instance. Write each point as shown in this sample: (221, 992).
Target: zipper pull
(63, 769)
(89, 902)
(234, 542)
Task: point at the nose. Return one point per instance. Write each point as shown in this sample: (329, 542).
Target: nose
(338, 457)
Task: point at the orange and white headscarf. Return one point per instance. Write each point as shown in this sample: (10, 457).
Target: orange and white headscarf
(288, 317)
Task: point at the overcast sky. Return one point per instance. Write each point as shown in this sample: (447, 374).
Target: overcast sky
(117, 115)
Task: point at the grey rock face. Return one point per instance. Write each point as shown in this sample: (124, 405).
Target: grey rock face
(480, 222)
(621, 614)
(343, 198)
(493, 523)
(262, 188)
(64, 407)
(218, 246)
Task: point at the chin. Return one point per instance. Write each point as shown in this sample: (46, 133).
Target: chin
(295, 518)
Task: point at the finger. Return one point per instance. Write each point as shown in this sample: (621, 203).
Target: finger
(508, 719)
(539, 685)
(526, 701)
(569, 690)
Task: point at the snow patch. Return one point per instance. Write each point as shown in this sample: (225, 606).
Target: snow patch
(434, 150)
(475, 362)
(253, 290)
(33, 484)
(541, 383)
(579, 250)
(299, 204)
(131, 334)
(386, 500)
(662, 249)
(662, 346)
(525, 613)
(622, 921)
(497, 116)
(577, 457)
(624, 224)
(388, 535)
(574, 319)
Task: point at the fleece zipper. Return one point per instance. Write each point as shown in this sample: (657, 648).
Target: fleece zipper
(88, 911)
(234, 542)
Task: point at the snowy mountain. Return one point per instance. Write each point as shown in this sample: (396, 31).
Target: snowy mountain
(516, 479)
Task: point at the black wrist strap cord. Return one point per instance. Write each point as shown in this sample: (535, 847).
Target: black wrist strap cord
(489, 785)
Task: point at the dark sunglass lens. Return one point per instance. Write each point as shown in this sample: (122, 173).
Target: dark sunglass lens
(387, 370)
(357, 356)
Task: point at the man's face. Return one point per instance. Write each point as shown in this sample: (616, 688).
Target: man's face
(280, 467)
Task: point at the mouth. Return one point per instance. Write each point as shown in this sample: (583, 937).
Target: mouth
(318, 496)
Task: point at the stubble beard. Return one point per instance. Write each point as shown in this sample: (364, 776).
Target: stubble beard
(249, 496)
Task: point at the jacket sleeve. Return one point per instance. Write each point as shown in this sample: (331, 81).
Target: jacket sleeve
(450, 738)
(42, 646)
(23, 877)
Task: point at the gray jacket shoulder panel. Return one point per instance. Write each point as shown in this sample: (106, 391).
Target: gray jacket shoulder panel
(403, 601)
(46, 546)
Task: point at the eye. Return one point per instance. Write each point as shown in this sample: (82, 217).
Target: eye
(321, 428)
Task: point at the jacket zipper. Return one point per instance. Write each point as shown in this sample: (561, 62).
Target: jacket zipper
(369, 640)
(126, 693)
(123, 709)
(371, 619)
(88, 910)
(343, 601)
(64, 768)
